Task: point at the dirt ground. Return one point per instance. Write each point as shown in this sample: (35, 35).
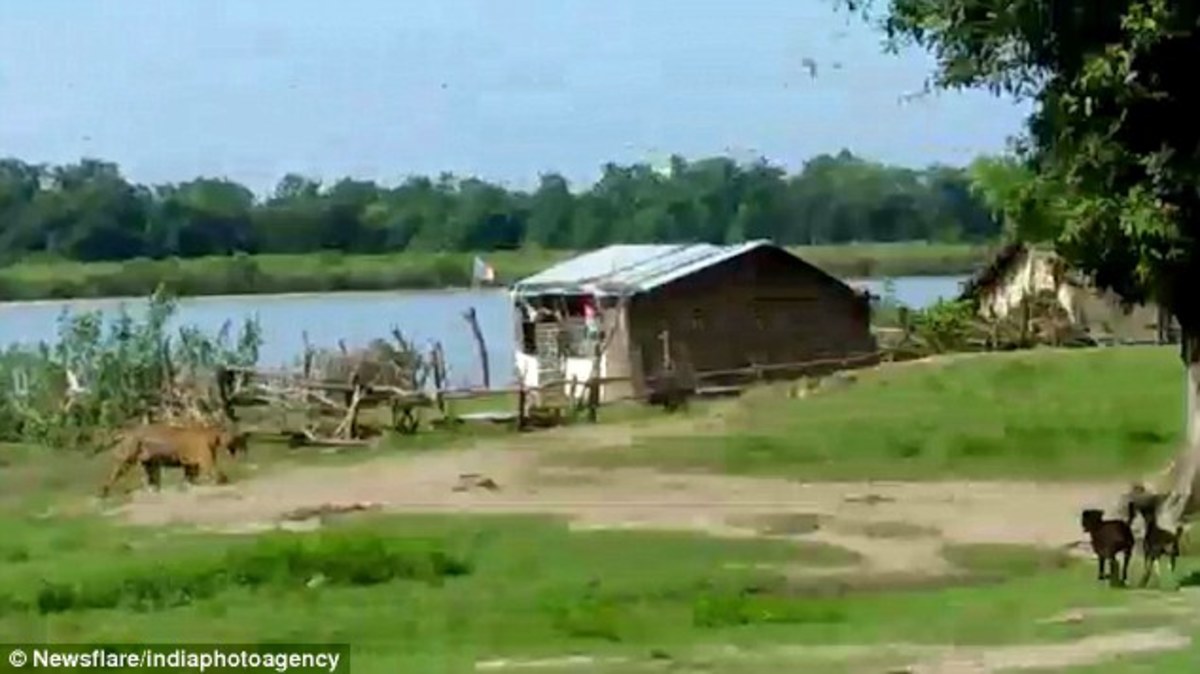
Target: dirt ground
(849, 514)
(895, 527)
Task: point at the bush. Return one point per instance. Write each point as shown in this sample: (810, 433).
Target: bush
(945, 326)
(126, 368)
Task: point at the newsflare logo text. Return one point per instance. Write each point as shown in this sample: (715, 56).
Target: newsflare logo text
(175, 658)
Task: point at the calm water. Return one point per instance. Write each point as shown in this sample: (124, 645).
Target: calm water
(423, 316)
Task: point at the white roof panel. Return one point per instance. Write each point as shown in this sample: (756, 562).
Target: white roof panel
(628, 269)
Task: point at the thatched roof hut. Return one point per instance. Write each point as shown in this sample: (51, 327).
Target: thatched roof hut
(1018, 273)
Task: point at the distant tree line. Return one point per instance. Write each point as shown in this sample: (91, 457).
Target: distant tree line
(89, 211)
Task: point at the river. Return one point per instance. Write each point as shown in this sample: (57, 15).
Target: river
(356, 318)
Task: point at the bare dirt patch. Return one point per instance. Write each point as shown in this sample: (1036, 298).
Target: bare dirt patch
(906, 658)
(896, 530)
(786, 524)
(896, 527)
(1092, 650)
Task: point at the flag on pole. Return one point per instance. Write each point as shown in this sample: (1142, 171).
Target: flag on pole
(483, 271)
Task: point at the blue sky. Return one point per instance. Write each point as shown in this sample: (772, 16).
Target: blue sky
(502, 89)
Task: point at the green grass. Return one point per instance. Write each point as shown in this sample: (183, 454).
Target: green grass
(333, 271)
(420, 594)
(883, 260)
(437, 593)
(1043, 415)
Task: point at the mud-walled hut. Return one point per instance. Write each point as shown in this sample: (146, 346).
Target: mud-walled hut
(1019, 273)
(633, 312)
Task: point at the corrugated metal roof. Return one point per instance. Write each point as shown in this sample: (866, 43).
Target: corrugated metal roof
(628, 269)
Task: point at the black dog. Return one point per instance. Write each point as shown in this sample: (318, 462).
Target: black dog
(1110, 538)
(1158, 543)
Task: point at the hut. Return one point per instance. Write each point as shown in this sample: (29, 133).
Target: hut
(629, 313)
(1018, 273)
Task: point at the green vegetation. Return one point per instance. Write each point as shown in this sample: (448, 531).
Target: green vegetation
(84, 231)
(410, 593)
(125, 370)
(245, 274)
(1113, 99)
(335, 271)
(416, 594)
(1102, 170)
(89, 212)
(1037, 414)
(439, 593)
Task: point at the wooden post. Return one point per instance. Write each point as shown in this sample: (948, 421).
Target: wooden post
(574, 400)
(665, 338)
(309, 352)
(521, 396)
(439, 377)
(348, 429)
(593, 399)
(225, 391)
(469, 316)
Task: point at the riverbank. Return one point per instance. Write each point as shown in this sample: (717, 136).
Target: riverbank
(328, 272)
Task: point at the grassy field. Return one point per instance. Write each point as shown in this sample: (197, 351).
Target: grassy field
(322, 272)
(438, 594)
(1047, 415)
(442, 593)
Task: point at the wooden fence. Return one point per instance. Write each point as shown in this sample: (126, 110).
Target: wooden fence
(550, 403)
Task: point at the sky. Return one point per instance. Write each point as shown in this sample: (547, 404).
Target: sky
(500, 89)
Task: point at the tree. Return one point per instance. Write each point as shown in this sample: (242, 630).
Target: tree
(956, 211)
(1113, 135)
(88, 211)
(91, 213)
(550, 213)
(1014, 194)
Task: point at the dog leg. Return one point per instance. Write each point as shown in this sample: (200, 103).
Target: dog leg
(1114, 579)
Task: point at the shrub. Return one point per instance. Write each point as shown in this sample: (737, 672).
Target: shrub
(125, 366)
(945, 326)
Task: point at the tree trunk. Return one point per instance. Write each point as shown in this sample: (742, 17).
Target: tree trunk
(1183, 498)
(1190, 351)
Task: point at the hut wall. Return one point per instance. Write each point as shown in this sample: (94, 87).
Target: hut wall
(617, 354)
(765, 307)
(1026, 276)
(1101, 312)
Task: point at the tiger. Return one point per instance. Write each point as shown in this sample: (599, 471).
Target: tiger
(158, 445)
